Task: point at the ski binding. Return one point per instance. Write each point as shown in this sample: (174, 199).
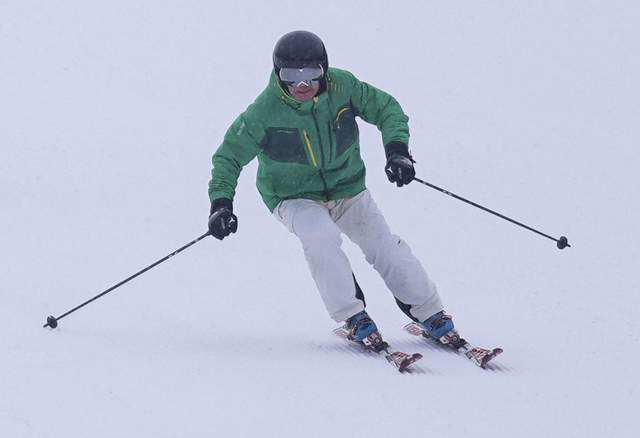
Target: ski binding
(479, 356)
(376, 344)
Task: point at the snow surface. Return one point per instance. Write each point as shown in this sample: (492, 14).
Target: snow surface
(110, 112)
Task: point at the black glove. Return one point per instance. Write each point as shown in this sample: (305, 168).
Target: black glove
(222, 221)
(399, 168)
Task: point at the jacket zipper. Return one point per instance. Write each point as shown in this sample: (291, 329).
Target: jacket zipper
(315, 122)
(340, 113)
(332, 149)
(315, 162)
(322, 162)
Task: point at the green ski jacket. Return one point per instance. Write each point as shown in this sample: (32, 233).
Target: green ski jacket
(306, 149)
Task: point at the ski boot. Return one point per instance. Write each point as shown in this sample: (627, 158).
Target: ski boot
(438, 325)
(440, 328)
(363, 330)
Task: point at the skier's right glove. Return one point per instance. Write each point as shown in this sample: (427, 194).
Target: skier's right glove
(399, 168)
(222, 221)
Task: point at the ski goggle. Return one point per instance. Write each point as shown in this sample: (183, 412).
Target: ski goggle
(301, 76)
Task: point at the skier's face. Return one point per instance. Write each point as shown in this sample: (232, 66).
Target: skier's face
(303, 83)
(303, 92)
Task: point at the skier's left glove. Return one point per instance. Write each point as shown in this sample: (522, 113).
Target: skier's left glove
(399, 168)
(222, 221)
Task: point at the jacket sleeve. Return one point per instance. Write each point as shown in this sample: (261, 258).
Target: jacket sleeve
(239, 147)
(381, 109)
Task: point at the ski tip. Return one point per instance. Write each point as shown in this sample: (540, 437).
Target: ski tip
(404, 366)
(488, 358)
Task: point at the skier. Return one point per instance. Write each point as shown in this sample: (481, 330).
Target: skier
(303, 130)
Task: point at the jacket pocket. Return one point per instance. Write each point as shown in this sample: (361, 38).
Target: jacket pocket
(284, 145)
(345, 129)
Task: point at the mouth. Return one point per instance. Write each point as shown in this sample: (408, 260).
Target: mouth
(303, 92)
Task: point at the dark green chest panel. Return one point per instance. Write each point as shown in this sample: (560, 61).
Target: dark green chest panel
(345, 129)
(284, 145)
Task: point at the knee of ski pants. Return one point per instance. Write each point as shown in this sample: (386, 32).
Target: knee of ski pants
(318, 233)
(389, 248)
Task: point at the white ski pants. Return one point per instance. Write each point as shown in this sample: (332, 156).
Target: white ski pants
(319, 226)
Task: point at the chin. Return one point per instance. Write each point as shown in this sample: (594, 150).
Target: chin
(304, 98)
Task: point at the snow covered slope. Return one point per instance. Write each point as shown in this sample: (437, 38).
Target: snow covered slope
(110, 112)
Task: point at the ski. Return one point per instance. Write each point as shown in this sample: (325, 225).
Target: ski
(479, 356)
(375, 343)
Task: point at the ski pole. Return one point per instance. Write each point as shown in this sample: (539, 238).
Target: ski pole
(561, 243)
(53, 321)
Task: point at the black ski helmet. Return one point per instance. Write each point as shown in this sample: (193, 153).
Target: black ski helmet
(299, 49)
